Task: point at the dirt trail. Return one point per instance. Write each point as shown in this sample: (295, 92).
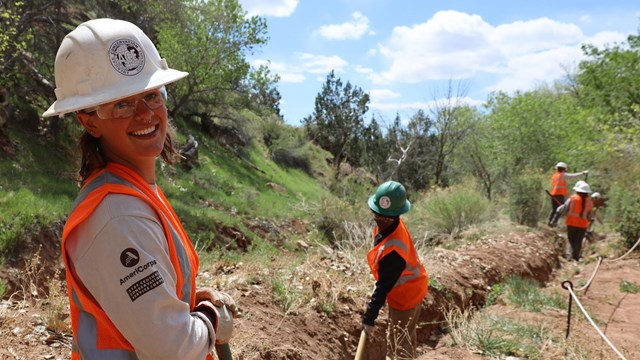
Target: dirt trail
(460, 279)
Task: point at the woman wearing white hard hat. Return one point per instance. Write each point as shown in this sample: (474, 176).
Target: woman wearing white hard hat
(578, 210)
(559, 189)
(130, 266)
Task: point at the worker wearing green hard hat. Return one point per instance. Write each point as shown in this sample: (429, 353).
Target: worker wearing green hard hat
(401, 279)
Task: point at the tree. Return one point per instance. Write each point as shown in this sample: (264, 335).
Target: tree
(211, 43)
(610, 79)
(452, 121)
(374, 150)
(419, 147)
(337, 123)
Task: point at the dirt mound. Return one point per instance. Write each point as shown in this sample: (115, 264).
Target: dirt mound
(463, 278)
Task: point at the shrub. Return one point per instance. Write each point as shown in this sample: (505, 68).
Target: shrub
(291, 158)
(526, 199)
(625, 204)
(452, 210)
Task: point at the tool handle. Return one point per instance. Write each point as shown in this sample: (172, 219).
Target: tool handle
(360, 350)
(223, 351)
(554, 199)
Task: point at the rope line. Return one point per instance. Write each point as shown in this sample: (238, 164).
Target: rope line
(600, 260)
(567, 285)
(627, 253)
(586, 286)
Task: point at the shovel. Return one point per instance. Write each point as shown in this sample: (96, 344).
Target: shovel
(554, 199)
(360, 350)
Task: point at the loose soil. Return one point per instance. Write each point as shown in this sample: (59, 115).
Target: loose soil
(460, 279)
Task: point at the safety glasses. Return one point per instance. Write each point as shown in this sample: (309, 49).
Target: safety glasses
(128, 107)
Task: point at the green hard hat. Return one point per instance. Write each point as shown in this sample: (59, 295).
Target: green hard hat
(390, 199)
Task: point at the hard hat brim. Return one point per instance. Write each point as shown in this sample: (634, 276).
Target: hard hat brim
(72, 104)
(386, 212)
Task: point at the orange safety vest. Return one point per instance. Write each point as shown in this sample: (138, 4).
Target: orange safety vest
(413, 284)
(558, 184)
(576, 217)
(100, 338)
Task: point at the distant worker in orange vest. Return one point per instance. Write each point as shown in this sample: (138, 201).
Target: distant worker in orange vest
(401, 279)
(130, 265)
(578, 210)
(559, 188)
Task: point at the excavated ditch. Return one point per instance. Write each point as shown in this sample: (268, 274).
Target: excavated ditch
(463, 278)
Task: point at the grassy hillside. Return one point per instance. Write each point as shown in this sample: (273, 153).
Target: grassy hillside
(229, 188)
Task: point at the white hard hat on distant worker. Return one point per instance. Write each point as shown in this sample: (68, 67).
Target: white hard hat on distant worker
(561, 165)
(582, 187)
(103, 60)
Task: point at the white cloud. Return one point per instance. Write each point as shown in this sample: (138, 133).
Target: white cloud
(354, 29)
(320, 64)
(382, 94)
(291, 77)
(287, 73)
(453, 46)
(275, 8)
(606, 38)
(362, 70)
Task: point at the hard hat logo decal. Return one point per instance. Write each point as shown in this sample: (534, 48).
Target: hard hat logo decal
(127, 57)
(384, 202)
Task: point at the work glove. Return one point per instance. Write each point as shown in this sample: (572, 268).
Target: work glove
(219, 299)
(221, 319)
(368, 329)
(585, 172)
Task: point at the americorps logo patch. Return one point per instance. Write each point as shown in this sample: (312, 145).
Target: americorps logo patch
(126, 56)
(130, 257)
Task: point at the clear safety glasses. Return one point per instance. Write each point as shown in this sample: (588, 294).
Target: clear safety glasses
(128, 107)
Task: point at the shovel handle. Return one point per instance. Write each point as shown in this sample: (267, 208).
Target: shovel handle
(554, 199)
(360, 350)
(223, 351)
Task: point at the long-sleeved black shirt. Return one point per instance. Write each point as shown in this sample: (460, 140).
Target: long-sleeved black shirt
(391, 267)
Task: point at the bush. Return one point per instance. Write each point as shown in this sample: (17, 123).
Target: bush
(526, 195)
(452, 210)
(291, 159)
(625, 204)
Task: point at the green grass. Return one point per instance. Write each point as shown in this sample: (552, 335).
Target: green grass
(629, 287)
(26, 212)
(286, 295)
(497, 337)
(496, 291)
(527, 294)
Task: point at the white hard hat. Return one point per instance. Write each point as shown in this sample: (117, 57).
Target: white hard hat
(582, 187)
(595, 195)
(103, 60)
(561, 165)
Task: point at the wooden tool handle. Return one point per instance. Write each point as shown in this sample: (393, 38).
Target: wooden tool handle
(360, 350)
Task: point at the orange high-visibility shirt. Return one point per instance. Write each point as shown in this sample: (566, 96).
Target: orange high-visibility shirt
(577, 216)
(413, 284)
(558, 184)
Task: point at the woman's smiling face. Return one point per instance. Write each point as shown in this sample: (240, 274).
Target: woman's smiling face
(135, 140)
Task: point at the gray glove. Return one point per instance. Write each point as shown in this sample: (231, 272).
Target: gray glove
(218, 299)
(223, 321)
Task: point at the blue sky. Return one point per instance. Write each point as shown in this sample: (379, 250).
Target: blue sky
(404, 53)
